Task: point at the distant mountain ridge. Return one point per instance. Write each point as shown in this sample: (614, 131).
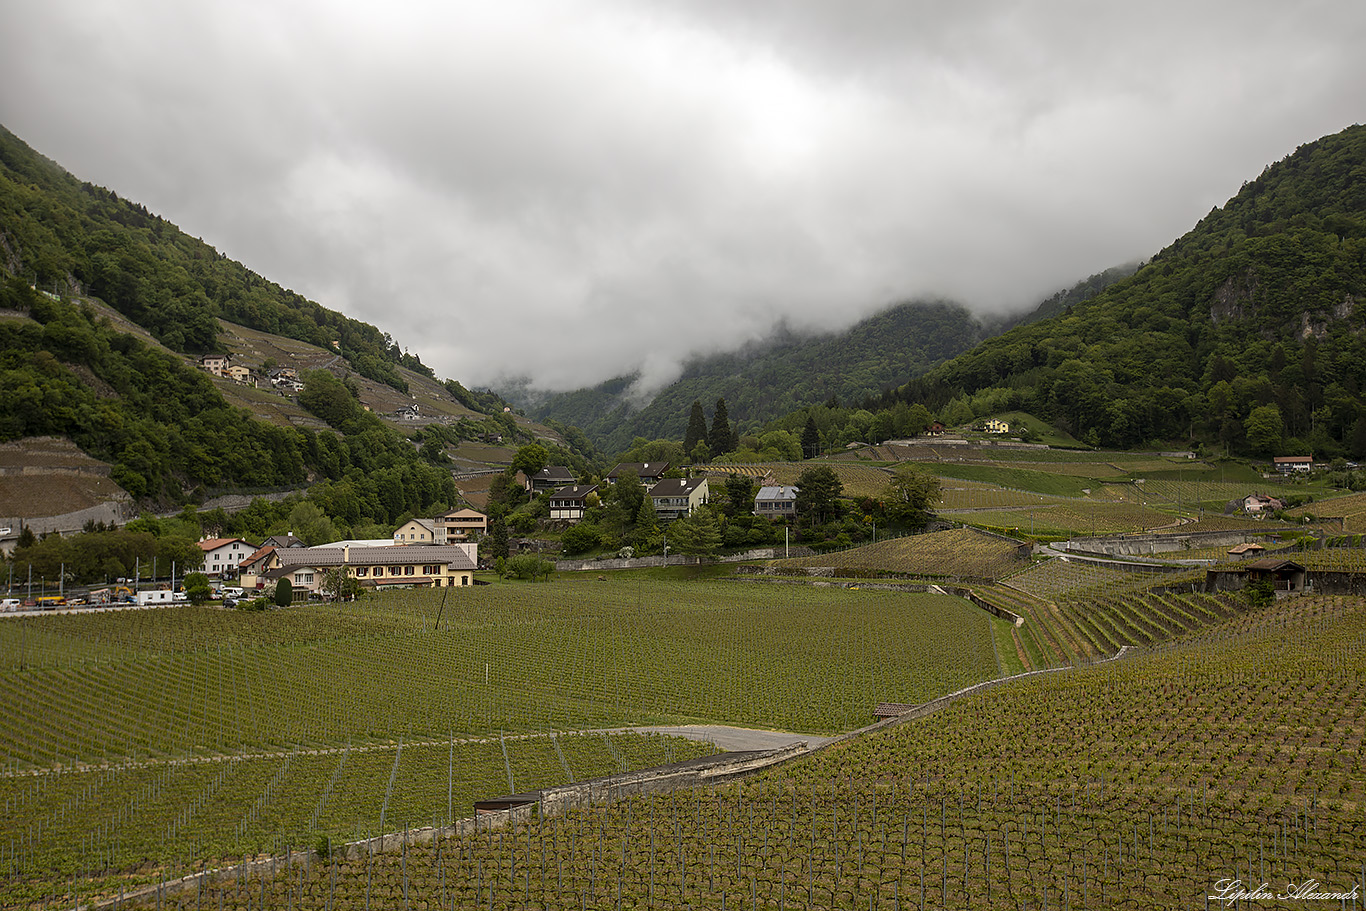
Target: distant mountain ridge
(764, 380)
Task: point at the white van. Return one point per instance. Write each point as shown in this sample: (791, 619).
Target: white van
(9, 604)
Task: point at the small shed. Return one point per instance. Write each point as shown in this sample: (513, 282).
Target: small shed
(1246, 551)
(1285, 575)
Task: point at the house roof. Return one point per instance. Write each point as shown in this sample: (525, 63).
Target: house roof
(641, 469)
(215, 543)
(429, 524)
(284, 541)
(1272, 564)
(576, 492)
(264, 550)
(1294, 460)
(1246, 548)
(465, 513)
(451, 554)
(556, 473)
(676, 487)
(776, 493)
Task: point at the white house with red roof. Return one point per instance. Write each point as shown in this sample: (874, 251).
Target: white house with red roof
(222, 556)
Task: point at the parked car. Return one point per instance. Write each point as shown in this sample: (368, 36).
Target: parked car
(9, 604)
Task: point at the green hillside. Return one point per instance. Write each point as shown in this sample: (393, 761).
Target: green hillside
(71, 367)
(1245, 333)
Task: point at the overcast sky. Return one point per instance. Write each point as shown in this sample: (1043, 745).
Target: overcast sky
(572, 189)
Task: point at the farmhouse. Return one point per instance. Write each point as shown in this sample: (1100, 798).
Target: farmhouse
(429, 566)
(568, 504)
(223, 556)
(678, 497)
(995, 425)
(1257, 503)
(1293, 464)
(772, 502)
(237, 373)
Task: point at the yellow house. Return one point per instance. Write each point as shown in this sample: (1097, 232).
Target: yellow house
(417, 531)
(419, 566)
(996, 425)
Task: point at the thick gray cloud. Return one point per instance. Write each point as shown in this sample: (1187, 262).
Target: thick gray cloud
(567, 191)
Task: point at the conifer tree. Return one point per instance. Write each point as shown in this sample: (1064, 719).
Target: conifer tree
(697, 428)
(721, 439)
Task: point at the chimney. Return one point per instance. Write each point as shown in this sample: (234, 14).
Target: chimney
(346, 554)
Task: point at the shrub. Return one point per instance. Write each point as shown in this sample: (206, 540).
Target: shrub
(284, 593)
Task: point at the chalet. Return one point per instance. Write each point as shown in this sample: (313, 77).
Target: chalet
(223, 556)
(237, 373)
(460, 525)
(278, 375)
(409, 413)
(934, 429)
(216, 364)
(432, 566)
(1247, 551)
(675, 498)
(774, 502)
(995, 425)
(416, 531)
(1293, 464)
(551, 477)
(649, 472)
(568, 504)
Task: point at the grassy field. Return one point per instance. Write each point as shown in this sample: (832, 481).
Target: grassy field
(1140, 783)
(137, 744)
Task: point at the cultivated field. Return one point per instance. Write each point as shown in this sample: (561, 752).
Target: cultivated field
(136, 744)
(955, 553)
(1140, 783)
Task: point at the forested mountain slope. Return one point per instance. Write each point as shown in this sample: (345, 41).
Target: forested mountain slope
(763, 381)
(1245, 332)
(71, 368)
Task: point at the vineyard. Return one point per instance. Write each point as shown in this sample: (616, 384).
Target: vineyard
(140, 743)
(955, 553)
(1135, 784)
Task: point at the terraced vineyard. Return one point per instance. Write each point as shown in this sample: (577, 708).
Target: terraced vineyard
(1140, 783)
(139, 743)
(1350, 508)
(954, 553)
(1067, 518)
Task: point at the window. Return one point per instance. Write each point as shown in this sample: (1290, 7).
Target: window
(379, 571)
(360, 571)
(408, 570)
(464, 580)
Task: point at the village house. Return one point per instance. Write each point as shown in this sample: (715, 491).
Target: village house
(677, 497)
(461, 525)
(1259, 504)
(223, 556)
(551, 477)
(416, 531)
(934, 429)
(215, 363)
(775, 502)
(1293, 464)
(995, 425)
(237, 373)
(650, 473)
(432, 566)
(568, 504)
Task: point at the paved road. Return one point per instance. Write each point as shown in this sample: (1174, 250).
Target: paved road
(729, 738)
